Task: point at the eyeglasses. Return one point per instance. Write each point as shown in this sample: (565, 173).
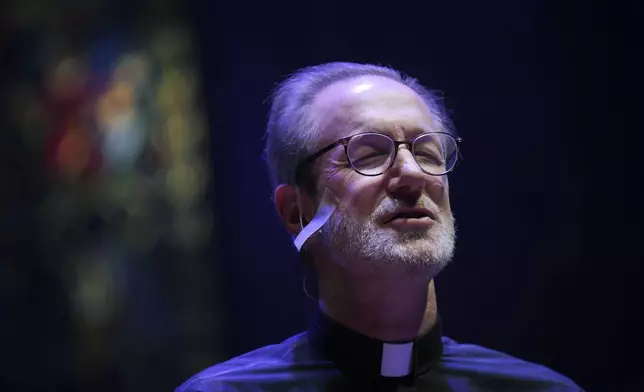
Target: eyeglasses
(372, 153)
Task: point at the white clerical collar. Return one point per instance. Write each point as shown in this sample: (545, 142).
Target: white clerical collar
(362, 356)
(396, 359)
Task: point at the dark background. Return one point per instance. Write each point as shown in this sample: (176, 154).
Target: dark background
(547, 201)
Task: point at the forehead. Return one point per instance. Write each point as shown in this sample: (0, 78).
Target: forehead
(370, 103)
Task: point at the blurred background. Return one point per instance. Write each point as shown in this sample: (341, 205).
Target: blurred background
(138, 241)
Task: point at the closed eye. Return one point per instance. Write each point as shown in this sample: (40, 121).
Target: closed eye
(429, 157)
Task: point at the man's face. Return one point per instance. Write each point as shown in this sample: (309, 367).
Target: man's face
(359, 235)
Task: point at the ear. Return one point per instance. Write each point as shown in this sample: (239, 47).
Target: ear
(286, 203)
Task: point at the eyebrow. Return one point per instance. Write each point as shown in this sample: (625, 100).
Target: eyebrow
(410, 132)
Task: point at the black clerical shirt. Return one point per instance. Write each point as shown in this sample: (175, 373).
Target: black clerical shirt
(331, 357)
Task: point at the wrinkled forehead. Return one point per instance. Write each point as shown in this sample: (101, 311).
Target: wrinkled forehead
(371, 103)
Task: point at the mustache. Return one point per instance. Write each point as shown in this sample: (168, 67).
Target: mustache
(388, 206)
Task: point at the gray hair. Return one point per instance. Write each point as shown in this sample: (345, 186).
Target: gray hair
(291, 133)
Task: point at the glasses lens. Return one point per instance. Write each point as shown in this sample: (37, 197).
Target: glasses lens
(435, 153)
(370, 153)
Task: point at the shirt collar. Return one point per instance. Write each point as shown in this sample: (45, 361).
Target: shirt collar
(360, 355)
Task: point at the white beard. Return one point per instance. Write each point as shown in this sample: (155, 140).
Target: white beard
(428, 250)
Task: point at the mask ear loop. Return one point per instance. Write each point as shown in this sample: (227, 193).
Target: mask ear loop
(306, 263)
(301, 222)
(305, 275)
(325, 209)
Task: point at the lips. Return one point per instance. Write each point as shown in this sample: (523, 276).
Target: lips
(409, 213)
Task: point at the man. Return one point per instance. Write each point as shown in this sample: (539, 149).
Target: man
(359, 157)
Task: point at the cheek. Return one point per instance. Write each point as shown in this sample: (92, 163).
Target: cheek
(360, 196)
(439, 192)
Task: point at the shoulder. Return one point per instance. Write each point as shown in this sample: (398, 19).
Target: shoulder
(254, 364)
(469, 358)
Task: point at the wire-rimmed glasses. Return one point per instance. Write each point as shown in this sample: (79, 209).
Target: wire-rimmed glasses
(373, 153)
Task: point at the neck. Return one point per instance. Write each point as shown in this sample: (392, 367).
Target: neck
(385, 308)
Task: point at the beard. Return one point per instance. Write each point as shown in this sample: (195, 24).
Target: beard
(425, 250)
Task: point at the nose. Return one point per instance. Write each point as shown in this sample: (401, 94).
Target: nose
(407, 178)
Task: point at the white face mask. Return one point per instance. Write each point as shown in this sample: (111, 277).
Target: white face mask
(328, 204)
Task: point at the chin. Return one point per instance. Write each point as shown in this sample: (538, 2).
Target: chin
(416, 237)
(429, 249)
(419, 254)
